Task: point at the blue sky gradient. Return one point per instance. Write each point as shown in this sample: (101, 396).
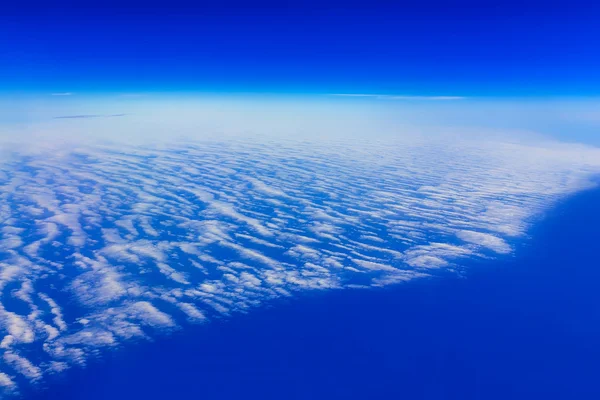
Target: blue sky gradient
(458, 48)
(165, 165)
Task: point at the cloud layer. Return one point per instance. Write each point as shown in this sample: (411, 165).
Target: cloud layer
(104, 244)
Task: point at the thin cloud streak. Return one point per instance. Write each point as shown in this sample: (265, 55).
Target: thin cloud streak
(398, 97)
(84, 116)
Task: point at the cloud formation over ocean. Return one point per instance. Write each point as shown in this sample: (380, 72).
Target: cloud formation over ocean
(102, 244)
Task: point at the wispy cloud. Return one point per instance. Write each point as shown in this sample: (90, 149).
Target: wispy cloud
(158, 237)
(62, 94)
(83, 116)
(398, 97)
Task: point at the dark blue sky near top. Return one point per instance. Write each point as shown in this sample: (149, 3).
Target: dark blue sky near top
(466, 48)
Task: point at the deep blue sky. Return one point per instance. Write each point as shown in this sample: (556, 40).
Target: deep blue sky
(493, 48)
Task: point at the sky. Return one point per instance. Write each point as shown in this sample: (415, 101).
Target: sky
(427, 48)
(254, 150)
(528, 67)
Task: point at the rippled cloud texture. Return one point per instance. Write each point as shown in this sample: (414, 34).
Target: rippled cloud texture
(106, 242)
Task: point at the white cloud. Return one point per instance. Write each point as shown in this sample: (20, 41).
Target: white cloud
(193, 313)
(23, 366)
(6, 382)
(399, 97)
(486, 240)
(152, 238)
(19, 329)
